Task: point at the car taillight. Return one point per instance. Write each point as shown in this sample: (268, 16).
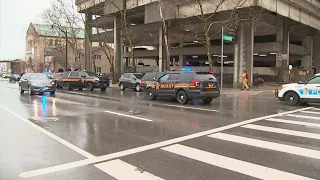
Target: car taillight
(143, 81)
(196, 83)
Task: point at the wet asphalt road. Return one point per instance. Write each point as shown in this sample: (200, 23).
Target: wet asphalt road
(128, 137)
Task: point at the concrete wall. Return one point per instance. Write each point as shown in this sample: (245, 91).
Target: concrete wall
(228, 49)
(298, 10)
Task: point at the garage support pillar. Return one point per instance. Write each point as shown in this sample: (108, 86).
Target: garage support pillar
(181, 55)
(88, 45)
(118, 50)
(243, 54)
(249, 42)
(238, 58)
(316, 53)
(306, 62)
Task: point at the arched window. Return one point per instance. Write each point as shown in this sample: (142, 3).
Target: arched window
(56, 42)
(50, 42)
(30, 44)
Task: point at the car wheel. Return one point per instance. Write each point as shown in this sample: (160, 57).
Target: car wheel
(207, 100)
(292, 99)
(30, 91)
(66, 86)
(52, 92)
(21, 90)
(150, 94)
(90, 87)
(122, 88)
(182, 97)
(103, 89)
(138, 87)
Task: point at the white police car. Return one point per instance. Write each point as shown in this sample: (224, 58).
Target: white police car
(301, 92)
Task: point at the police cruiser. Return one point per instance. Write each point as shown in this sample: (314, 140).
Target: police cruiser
(301, 92)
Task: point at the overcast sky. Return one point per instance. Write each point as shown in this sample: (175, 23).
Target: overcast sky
(15, 17)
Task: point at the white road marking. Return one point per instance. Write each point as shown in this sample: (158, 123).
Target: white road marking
(71, 92)
(311, 112)
(317, 109)
(282, 131)
(129, 116)
(62, 141)
(268, 145)
(250, 169)
(302, 116)
(123, 171)
(188, 107)
(294, 122)
(144, 148)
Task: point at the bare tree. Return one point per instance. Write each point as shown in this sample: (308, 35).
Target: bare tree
(213, 15)
(30, 64)
(125, 26)
(165, 34)
(66, 22)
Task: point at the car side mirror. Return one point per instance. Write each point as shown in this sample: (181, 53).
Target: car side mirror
(301, 82)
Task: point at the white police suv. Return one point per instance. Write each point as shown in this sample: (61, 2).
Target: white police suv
(301, 92)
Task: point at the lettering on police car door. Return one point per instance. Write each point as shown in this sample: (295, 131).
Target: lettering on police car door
(158, 86)
(314, 91)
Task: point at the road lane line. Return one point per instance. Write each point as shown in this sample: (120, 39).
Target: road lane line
(294, 122)
(311, 112)
(282, 131)
(62, 141)
(123, 171)
(247, 168)
(268, 145)
(129, 116)
(188, 107)
(302, 116)
(111, 156)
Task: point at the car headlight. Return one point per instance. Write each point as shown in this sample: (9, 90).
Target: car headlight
(96, 79)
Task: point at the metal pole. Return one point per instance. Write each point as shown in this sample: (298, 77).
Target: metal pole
(66, 49)
(221, 76)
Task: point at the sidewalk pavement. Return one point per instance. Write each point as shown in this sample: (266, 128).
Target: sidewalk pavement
(224, 92)
(234, 92)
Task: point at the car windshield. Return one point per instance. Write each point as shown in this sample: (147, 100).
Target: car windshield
(138, 76)
(38, 77)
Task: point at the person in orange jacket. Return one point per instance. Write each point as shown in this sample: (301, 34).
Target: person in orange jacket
(245, 80)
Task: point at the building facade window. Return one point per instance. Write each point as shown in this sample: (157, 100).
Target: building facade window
(98, 69)
(96, 56)
(50, 42)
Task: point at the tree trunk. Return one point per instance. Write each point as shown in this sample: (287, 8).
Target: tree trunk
(208, 46)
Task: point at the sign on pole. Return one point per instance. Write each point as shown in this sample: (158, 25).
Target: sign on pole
(227, 38)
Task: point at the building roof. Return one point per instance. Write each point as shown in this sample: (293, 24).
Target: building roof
(54, 31)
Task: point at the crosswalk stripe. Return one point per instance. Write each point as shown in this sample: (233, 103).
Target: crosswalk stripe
(268, 145)
(302, 116)
(123, 171)
(294, 122)
(311, 112)
(282, 131)
(239, 166)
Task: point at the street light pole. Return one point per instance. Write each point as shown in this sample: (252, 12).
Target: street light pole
(221, 76)
(66, 49)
